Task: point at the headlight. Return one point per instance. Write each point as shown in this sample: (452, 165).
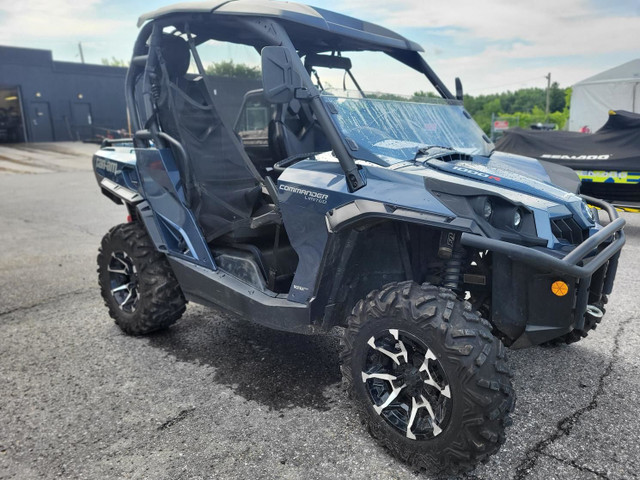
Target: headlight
(588, 211)
(504, 215)
(517, 219)
(487, 209)
(496, 216)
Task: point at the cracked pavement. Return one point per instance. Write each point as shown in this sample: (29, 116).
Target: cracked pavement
(565, 426)
(217, 397)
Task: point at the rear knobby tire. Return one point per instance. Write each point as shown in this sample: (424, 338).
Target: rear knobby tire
(149, 298)
(472, 398)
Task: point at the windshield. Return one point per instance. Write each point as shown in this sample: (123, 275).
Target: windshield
(392, 131)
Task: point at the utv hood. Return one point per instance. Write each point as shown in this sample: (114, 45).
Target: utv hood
(517, 173)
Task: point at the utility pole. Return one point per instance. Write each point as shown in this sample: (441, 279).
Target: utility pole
(546, 110)
(82, 57)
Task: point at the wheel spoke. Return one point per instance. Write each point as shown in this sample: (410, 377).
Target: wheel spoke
(122, 261)
(412, 418)
(382, 376)
(395, 391)
(446, 391)
(415, 406)
(121, 271)
(393, 356)
(127, 300)
(121, 288)
(392, 396)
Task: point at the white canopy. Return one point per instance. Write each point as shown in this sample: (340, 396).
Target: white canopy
(615, 89)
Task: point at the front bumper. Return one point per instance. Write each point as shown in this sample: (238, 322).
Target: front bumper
(523, 307)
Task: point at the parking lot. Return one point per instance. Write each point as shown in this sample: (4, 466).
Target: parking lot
(217, 397)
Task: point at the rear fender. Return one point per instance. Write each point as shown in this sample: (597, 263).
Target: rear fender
(115, 170)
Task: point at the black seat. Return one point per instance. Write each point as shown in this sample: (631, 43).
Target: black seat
(293, 130)
(253, 134)
(223, 190)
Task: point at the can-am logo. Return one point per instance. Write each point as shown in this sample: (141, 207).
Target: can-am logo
(477, 173)
(107, 165)
(576, 157)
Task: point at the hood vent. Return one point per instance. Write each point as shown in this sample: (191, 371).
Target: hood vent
(444, 154)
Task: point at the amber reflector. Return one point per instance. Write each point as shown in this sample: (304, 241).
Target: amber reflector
(559, 288)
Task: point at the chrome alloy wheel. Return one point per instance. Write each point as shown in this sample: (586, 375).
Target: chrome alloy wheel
(407, 384)
(123, 280)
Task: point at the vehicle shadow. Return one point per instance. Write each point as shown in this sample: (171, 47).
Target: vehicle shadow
(277, 369)
(282, 370)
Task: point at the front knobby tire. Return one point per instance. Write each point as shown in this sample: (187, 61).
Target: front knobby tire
(429, 379)
(136, 281)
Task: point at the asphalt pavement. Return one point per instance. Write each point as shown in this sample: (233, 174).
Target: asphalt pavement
(218, 397)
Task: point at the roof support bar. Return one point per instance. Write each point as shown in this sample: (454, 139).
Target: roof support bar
(207, 82)
(276, 35)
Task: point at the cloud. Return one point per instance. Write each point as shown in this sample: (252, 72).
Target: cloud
(496, 45)
(53, 19)
(490, 74)
(491, 44)
(543, 27)
(60, 24)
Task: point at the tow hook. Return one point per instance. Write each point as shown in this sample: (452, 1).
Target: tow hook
(594, 311)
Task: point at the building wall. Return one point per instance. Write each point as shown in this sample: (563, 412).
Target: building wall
(62, 84)
(74, 89)
(229, 93)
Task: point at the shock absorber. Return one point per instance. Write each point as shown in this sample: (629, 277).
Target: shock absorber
(451, 250)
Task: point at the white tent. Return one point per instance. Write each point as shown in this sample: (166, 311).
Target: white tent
(615, 89)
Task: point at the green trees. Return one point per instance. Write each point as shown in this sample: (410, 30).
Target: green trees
(224, 68)
(522, 107)
(115, 62)
(418, 96)
(227, 68)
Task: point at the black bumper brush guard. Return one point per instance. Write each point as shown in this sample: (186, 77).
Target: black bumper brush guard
(525, 306)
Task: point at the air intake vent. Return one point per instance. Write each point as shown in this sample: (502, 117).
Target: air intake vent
(443, 154)
(567, 229)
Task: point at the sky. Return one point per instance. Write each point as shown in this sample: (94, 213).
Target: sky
(492, 45)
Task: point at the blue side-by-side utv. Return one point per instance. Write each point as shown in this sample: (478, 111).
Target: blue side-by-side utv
(392, 221)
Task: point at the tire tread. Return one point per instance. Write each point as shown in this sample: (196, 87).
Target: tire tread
(161, 302)
(490, 397)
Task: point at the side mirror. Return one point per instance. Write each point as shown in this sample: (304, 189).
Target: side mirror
(459, 93)
(279, 78)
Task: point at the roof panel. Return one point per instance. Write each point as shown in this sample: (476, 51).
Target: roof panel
(368, 34)
(269, 8)
(185, 7)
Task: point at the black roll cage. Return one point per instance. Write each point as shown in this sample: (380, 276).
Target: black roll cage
(258, 32)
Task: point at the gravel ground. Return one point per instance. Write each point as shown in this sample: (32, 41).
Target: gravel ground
(217, 397)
